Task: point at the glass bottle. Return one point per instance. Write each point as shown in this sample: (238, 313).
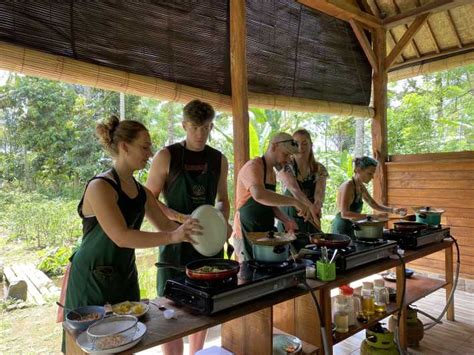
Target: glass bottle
(353, 303)
(367, 294)
(381, 296)
(341, 318)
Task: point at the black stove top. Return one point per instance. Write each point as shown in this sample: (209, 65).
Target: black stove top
(357, 253)
(254, 280)
(416, 239)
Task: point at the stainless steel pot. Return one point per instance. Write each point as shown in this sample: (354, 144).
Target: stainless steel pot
(369, 228)
(271, 253)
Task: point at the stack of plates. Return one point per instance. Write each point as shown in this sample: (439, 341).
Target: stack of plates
(84, 343)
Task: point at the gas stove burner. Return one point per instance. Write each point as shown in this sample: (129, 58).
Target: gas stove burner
(209, 285)
(370, 241)
(271, 267)
(416, 239)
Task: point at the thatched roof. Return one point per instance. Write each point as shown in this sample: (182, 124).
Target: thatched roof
(305, 55)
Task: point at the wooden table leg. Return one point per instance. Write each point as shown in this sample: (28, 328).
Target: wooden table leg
(448, 259)
(325, 303)
(71, 347)
(402, 329)
(251, 334)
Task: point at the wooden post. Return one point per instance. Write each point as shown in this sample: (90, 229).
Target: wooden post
(238, 73)
(379, 123)
(448, 259)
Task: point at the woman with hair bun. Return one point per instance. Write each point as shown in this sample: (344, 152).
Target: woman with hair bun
(353, 193)
(112, 210)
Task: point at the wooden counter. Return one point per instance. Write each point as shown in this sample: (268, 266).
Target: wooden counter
(248, 328)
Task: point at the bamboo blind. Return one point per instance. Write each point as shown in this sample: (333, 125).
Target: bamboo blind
(431, 67)
(35, 63)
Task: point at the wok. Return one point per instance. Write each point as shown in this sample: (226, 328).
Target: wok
(408, 226)
(228, 268)
(330, 240)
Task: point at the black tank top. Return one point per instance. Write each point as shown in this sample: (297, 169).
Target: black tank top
(133, 209)
(195, 163)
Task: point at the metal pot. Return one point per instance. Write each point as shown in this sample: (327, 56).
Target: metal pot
(428, 215)
(271, 253)
(369, 228)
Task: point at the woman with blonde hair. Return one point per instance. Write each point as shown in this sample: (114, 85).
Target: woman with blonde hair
(112, 210)
(305, 179)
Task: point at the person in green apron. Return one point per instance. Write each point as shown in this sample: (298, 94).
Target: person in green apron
(351, 195)
(256, 200)
(112, 210)
(189, 174)
(305, 179)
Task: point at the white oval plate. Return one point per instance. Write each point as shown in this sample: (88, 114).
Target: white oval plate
(83, 342)
(146, 307)
(214, 234)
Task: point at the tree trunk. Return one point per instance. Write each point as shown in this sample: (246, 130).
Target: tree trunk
(359, 138)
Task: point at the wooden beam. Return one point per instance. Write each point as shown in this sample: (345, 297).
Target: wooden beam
(432, 7)
(342, 10)
(413, 43)
(447, 53)
(453, 27)
(411, 31)
(433, 38)
(238, 73)
(379, 123)
(364, 43)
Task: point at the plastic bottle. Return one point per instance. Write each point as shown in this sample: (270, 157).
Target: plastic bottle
(341, 318)
(367, 294)
(381, 296)
(353, 303)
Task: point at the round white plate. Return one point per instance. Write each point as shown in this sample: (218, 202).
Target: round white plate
(146, 307)
(286, 344)
(84, 343)
(214, 234)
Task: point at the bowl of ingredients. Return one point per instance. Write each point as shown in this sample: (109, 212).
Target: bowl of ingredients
(136, 309)
(112, 332)
(284, 344)
(81, 318)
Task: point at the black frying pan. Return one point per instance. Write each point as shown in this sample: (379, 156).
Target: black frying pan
(330, 240)
(227, 268)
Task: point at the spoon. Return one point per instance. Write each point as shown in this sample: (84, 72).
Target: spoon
(69, 310)
(333, 256)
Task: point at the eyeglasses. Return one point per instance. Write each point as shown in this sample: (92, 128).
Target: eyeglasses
(291, 141)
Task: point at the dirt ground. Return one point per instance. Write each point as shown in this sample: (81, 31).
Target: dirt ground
(30, 330)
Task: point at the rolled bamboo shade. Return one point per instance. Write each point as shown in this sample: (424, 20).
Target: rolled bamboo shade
(35, 63)
(431, 67)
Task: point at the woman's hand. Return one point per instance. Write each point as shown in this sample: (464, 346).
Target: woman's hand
(401, 211)
(290, 226)
(302, 209)
(184, 232)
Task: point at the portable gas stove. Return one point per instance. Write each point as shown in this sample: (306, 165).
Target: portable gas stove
(253, 281)
(413, 240)
(357, 253)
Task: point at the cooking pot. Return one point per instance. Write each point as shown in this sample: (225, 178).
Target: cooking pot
(270, 253)
(270, 247)
(428, 215)
(227, 268)
(369, 228)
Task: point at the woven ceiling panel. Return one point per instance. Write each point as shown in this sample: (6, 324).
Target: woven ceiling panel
(291, 50)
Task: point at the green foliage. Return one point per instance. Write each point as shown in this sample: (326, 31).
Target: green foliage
(53, 261)
(434, 113)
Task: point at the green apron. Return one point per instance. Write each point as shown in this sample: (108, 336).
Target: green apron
(101, 271)
(184, 195)
(308, 187)
(255, 217)
(341, 225)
